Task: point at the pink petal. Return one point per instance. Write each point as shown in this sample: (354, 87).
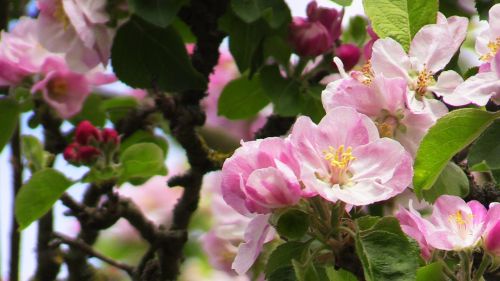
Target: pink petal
(447, 82)
(432, 47)
(479, 88)
(389, 58)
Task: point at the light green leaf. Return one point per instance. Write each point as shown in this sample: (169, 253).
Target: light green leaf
(144, 137)
(400, 19)
(142, 161)
(451, 133)
(343, 2)
(431, 272)
(242, 98)
(91, 111)
(9, 114)
(339, 275)
(38, 195)
(451, 181)
(159, 12)
(486, 149)
(386, 253)
(34, 153)
(356, 31)
(147, 56)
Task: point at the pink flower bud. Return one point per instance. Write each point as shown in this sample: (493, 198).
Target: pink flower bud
(309, 38)
(85, 132)
(110, 136)
(71, 152)
(367, 49)
(331, 19)
(492, 241)
(88, 154)
(349, 54)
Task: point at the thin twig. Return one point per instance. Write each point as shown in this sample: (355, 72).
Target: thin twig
(15, 237)
(76, 243)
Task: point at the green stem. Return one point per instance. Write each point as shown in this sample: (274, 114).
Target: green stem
(348, 230)
(485, 262)
(465, 265)
(448, 271)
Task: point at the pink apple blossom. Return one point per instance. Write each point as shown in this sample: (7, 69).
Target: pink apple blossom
(343, 158)
(384, 101)
(492, 230)
(431, 49)
(260, 176)
(453, 225)
(78, 29)
(414, 226)
(367, 48)
(65, 90)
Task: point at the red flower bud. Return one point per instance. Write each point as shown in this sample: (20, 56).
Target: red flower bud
(110, 136)
(88, 154)
(349, 54)
(309, 38)
(71, 152)
(85, 132)
(331, 19)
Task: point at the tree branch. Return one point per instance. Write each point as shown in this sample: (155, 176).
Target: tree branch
(15, 236)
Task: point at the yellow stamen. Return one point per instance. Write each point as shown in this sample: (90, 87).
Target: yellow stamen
(459, 219)
(424, 79)
(338, 157)
(367, 73)
(494, 46)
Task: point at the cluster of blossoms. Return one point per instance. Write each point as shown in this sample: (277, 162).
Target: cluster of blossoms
(362, 151)
(91, 143)
(61, 54)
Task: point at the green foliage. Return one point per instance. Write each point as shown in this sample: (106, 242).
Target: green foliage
(484, 154)
(451, 181)
(118, 107)
(279, 266)
(339, 275)
(242, 98)
(431, 272)
(343, 2)
(33, 152)
(147, 56)
(451, 133)
(275, 12)
(38, 195)
(158, 12)
(91, 111)
(400, 19)
(356, 31)
(483, 7)
(293, 224)
(9, 114)
(140, 162)
(384, 250)
(144, 137)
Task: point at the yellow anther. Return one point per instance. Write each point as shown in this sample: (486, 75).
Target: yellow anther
(424, 79)
(338, 157)
(494, 46)
(459, 219)
(366, 69)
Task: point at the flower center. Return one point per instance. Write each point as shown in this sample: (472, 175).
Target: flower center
(367, 73)
(424, 79)
(494, 46)
(339, 160)
(57, 89)
(60, 14)
(461, 221)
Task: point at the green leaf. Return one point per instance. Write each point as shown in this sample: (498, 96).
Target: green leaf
(146, 56)
(91, 111)
(431, 272)
(144, 137)
(242, 98)
(484, 6)
(141, 162)
(118, 107)
(276, 12)
(282, 256)
(278, 48)
(339, 275)
(286, 273)
(344, 3)
(356, 31)
(159, 12)
(451, 181)
(385, 251)
(284, 93)
(400, 19)
(451, 133)
(9, 114)
(34, 153)
(245, 41)
(486, 149)
(38, 195)
(293, 224)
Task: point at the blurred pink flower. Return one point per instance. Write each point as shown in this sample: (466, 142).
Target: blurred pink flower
(349, 54)
(65, 90)
(78, 29)
(343, 158)
(367, 49)
(492, 230)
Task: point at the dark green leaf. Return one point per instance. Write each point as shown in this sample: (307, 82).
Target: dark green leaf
(400, 19)
(384, 250)
(282, 256)
(146, 56)
(9, 114)
(451, 133)
(242, 98)
(451, 181)
(286, 273)
(484, 6)
(276, 12)
(142, 161)
(278, 48)
(293, 224)
(38, 195)
(159, 12)
(486, 149)
(91, 111)
(431, 272)
(284, 93)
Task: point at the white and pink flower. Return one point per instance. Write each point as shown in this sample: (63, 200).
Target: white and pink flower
(343, 158)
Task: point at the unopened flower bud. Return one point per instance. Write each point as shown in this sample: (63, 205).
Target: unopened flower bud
(309, 38)
(88, 154)
(71, 152)
(349, 54)
(331, 19)
(110, 136)
(85, 132)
